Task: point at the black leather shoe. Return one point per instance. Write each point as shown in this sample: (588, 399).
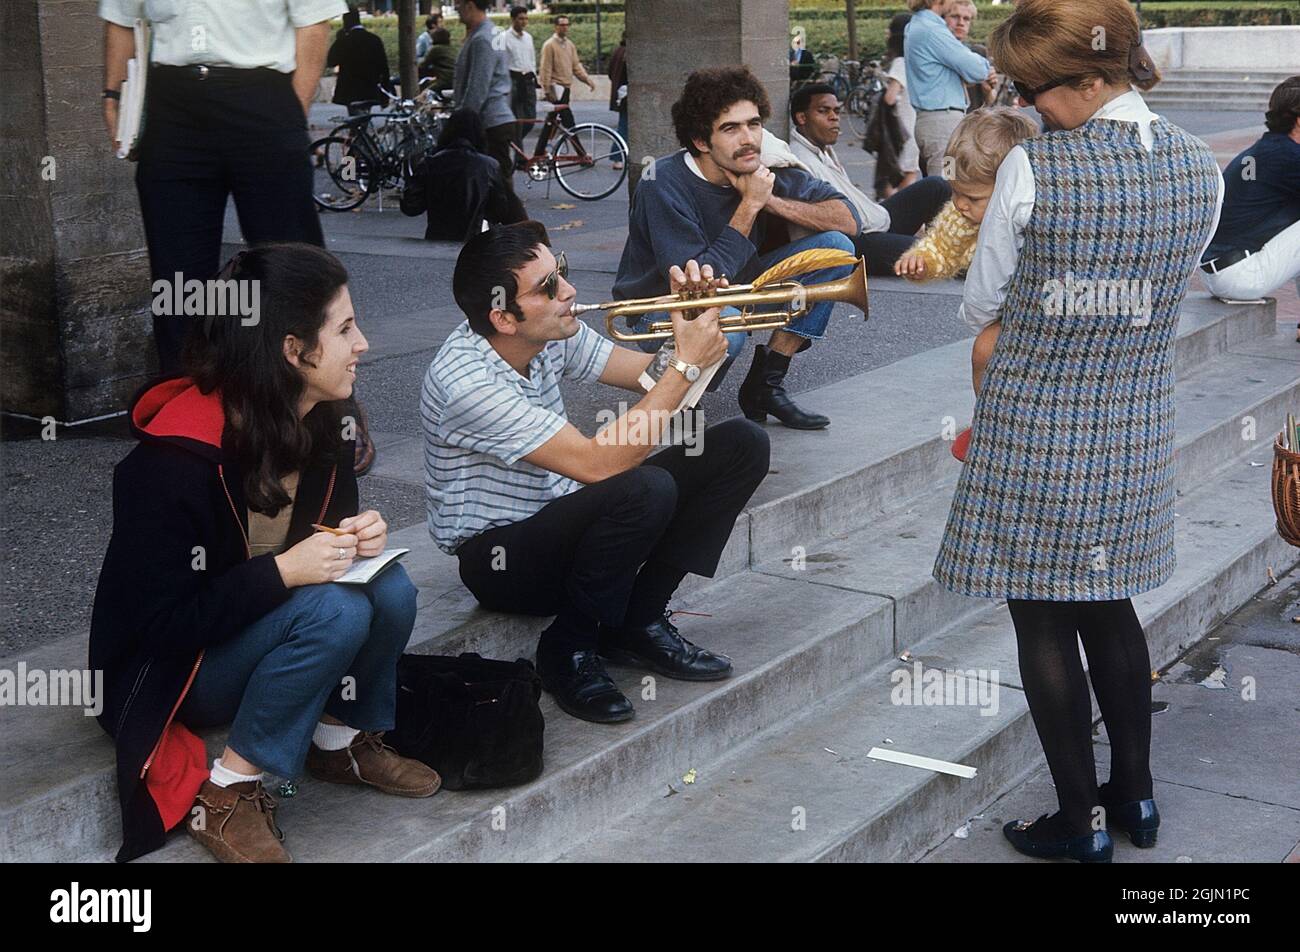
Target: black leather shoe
(763, 392)
(580, 686)
(661, 648)
(1050, 843)
(1138, 818)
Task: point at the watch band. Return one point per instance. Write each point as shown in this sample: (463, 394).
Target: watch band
(685, 369)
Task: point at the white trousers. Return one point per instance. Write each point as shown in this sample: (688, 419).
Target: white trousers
(1254, 277)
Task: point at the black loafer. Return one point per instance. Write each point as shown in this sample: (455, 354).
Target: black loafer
(661, 648)
(1138, 818)
(581, 687)
(1095, 847)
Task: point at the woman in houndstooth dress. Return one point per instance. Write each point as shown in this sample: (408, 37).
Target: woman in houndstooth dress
(1065, 505)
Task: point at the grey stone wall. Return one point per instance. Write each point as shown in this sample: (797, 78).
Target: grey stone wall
(75, 332)
(667, 39)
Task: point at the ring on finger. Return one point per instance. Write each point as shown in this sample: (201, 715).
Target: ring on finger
(342, 554)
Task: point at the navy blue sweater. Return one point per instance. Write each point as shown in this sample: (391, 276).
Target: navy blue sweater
(677, 216)
(1258, 205)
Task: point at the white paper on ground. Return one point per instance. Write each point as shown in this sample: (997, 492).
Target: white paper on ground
(925, 763)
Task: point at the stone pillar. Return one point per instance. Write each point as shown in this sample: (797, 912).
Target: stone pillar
(667, 39)
(75, 332)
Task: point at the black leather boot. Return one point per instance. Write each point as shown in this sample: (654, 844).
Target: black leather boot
(763, 392)
(660, 647)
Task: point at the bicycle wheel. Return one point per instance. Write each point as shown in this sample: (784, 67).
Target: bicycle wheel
(858, 109)
(589, 160)
(340, 174)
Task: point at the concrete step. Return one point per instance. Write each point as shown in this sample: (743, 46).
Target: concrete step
(1216, 104)
(815, 769)
(58, 800)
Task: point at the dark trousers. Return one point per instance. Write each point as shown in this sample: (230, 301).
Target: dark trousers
(909, 209)
(499, 139)
(565, 116)
(237, 132)
(523, 102)
(581, 553)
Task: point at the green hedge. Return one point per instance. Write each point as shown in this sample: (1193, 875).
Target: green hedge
(828, 33)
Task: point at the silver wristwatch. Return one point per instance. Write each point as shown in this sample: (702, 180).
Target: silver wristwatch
(690, 371)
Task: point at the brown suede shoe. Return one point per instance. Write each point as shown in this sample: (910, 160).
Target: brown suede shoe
(238, 823)
(370, 761)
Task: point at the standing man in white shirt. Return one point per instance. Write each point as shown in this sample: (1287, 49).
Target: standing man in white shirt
(888, 227)
(521, 59)
(230, 83)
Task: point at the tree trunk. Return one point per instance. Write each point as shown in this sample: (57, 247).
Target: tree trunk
(851, 11)
(406, 31)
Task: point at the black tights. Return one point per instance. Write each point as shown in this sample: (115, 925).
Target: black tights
(1119, 665)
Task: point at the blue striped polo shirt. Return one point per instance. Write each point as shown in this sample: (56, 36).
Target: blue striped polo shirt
(481, 417)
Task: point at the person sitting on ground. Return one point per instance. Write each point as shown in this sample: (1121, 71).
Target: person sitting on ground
(977, 147)
(215, 602)
(422, 42)
(889, 227)
(439, 61)
(545, 521)
(459, 185)
(714, 201)
(362, 62)
(1256, 248)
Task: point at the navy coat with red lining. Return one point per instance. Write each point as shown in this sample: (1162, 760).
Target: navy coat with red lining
(176, 579)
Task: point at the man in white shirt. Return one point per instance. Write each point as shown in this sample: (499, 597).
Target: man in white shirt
(521, 59)
(889, 227)
(229, 86)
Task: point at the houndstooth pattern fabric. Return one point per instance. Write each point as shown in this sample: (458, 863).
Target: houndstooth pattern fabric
(1068, 488)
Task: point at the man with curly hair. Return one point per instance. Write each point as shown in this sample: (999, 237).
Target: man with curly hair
(714, 202)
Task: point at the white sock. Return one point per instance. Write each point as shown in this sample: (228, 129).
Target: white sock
(224, 776)
(333, 736)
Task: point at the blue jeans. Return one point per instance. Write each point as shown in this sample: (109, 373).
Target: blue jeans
(272, 681)
(811, 325)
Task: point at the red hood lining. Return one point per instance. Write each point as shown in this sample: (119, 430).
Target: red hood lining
(177, 407)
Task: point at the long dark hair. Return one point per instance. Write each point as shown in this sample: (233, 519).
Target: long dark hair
(260, 389)
(894, 41)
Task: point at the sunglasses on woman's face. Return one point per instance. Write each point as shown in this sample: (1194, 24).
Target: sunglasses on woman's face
(1029, 95)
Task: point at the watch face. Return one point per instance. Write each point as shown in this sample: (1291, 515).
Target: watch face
(692, 373)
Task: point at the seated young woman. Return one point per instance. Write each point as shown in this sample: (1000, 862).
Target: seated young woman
(217, 602)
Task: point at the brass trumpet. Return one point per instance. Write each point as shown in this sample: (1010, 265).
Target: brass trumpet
(795, 296)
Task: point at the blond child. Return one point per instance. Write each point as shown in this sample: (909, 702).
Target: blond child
(977, 147)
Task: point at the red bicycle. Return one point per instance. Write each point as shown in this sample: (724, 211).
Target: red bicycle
(589, 160)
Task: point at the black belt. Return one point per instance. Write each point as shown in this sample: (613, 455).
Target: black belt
(225, 74)
(1217, 264)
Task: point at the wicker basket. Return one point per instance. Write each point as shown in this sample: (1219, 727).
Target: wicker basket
(1286, 491)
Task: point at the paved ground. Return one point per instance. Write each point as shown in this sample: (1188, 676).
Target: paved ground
(56, 512)
(1226, 789)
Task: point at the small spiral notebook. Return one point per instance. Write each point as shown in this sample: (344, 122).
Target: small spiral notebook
(364, 570)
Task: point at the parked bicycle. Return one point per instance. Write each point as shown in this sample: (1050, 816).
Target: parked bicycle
(589, 160)
(374, 151)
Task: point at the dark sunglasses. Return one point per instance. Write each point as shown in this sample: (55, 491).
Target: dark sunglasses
(552, 283)
(1029, 95)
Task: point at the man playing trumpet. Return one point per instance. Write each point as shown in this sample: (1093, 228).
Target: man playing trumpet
(713, 202)
(599, 531)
